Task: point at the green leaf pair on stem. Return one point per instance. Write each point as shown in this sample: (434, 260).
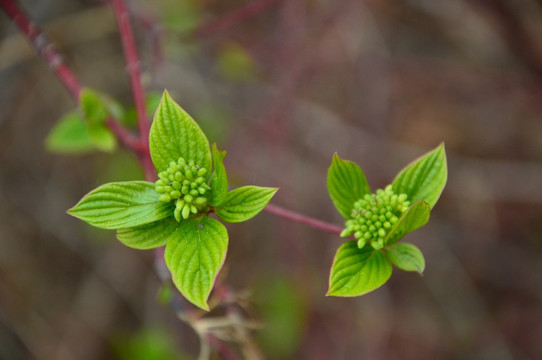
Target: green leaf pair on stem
(174, 211)
(85, 130)
(378, 221)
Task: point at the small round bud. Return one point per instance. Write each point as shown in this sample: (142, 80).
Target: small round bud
(176, 185)
(185, 189)
(346, 232)
(188, 198)
(186, 211)
(159, 189)
(200, 200)
(194, 192)
(177, 214)
(165, 198)
(175, 194)
(202, 172)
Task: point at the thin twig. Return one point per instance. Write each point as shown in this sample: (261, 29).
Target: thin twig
(126, 138)
(223, 22)
(132, 63)
(302, 219)
(47, 52)
(43, 47)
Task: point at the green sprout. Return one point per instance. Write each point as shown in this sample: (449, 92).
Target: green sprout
(378, 221)
(174, 211)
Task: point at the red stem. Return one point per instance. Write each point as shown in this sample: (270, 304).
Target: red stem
(225, 21)
(140, 146)
(43, 47)
(46, 51)
(132, 63)
(302, 219)
(126, 138)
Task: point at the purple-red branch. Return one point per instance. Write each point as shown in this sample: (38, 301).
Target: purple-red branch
(140, 145)
(132, 63)
(43, 47)
(55, 62)
(302, 219)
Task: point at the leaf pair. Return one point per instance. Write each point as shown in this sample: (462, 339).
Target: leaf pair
(357, 270)
(196, 245)
(84, 131)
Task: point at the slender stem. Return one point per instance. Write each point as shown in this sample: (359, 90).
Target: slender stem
(43, 47)
(225, 21)
(132, 63)
(302, 219)
(126, 138)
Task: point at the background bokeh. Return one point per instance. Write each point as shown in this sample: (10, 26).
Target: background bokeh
(379, 81)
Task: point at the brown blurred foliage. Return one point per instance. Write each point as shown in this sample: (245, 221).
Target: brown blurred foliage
(378, 81)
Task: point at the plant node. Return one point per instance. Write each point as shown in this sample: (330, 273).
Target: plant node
(374, 215)
(183, 184)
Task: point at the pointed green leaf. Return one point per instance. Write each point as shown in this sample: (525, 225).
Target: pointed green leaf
(194, 255)
(346, 184)
(219, 180)
(121, 205)
(406, 257)
(244, 203)
(175, 134)
(425, 178)
(415, 217)
(357, 271)
(101, 137)
(93, 107)
(69, 136)
(148, 236)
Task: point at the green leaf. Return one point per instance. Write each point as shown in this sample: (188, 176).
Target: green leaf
(148, 236)
(425, 178)
(415, 217)
(219, 180)
(346, 184)
(357, 271)
(93, 107)
(175, 134)
(194, 255)
(406, 257)
(244, 203)
(102, 138)
(69, 136)
(121, 205)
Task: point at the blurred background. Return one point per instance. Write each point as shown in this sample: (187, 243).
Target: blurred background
(282, 85)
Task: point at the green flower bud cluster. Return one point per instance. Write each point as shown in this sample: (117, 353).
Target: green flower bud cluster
(183, 183)
(374, 215)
